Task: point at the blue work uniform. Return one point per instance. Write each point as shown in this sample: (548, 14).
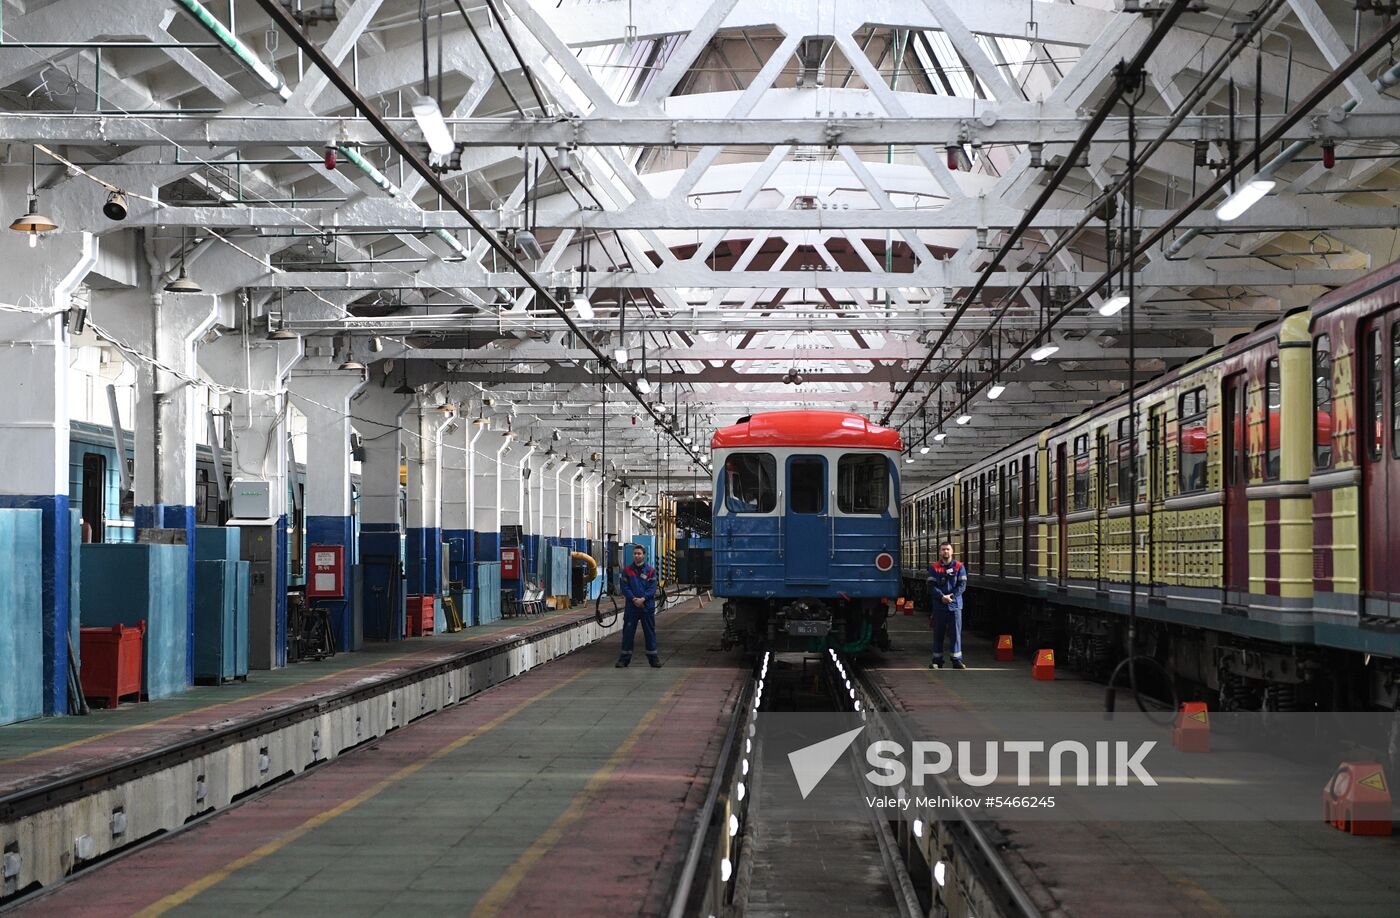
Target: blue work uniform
(950, 580)
(639, 582)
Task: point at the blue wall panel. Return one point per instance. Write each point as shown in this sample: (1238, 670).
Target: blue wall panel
(54, 571)
(21, 616)
(127, 584)
(488, 592)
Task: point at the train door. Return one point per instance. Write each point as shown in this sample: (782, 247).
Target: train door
(1023, 510)
(1061, 508)
(94, 494)
(1156, 494)
(1235, 457)
(808, 537)
(1380, 463)
(1103, 556)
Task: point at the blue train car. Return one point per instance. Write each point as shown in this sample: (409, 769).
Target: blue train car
(806, 529)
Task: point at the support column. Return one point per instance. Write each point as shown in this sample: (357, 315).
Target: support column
(378, 414)
(422, 555)
(257, 370)
(34, 434)
(488, 517)
(470, 555)
(456, 521)
(323, 393)
(575, 539)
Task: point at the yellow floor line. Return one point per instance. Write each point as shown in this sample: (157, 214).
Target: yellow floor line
(500, 892)
(180, 897)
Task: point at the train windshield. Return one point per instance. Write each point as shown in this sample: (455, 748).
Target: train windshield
(863, 484)
(751, 483)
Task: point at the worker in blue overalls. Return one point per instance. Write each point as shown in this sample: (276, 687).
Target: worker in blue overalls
(947, 581)
(639, 589)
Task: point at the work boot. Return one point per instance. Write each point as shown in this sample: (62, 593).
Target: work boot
(622, 663)
(958, 663)
(655, 662)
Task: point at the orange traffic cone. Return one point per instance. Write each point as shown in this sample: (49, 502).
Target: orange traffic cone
(1044, 667)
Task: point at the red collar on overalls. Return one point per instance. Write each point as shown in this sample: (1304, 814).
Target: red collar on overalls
(938, 566)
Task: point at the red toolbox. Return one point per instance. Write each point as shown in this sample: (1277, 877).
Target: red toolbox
(111, 662)
(421, 611)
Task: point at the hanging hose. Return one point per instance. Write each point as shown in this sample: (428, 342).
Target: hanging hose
(817, 645)
(1132, 662)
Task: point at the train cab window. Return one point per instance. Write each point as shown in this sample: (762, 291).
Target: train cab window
(1375, 394)
(1081, 472)
(1273, 414)
(751, 483)
(1322, 402)
(863, 484)
(807, 483)
(1191, 442)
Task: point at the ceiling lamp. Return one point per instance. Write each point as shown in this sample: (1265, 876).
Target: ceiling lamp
(620, 356)
(583, 306)
(964, 419)
(279, 334)
(923, 450)
(1244, 197)
(1044, 351)
(1113, 305)
(31, 221)
(940, 436)
(350, 363)
(434, 128)
(643, 385)
(909, 457)
(997, 388)
(183, 283)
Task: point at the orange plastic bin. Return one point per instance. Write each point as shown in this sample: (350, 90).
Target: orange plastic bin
(421, 611)
(111, 662)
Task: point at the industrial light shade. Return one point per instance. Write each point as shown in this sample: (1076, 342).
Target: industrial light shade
(1245, 197)
(183, 284)
(447, 407)
(1044, 351)
(940, 436)
(115, 208)
(1113, 305)
(434, 128)
(643, 385)
(33, 222)
(996, 390)
(909, 458)
(964, 419)
(621, 356)
(923, 450)
(281, 334)
(583, 307)
(350, 363)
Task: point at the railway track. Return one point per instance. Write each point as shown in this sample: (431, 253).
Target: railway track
(752, 855)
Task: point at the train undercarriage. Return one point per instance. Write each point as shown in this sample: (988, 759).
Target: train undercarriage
(1232, 672)
(804, 623)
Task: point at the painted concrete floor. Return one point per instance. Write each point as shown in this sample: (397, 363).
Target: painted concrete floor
(570, 790)
(1246, 868)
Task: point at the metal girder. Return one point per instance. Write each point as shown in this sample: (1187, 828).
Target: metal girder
(1272, 215)
(1019, 126)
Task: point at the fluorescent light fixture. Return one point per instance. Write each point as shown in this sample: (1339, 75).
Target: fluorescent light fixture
(1045, 350)
(528, 245)
(964, 418)
(1245, 197)
(923, 450)
(271, 78)
(620, 355)
(643, 385)
(434, 128)
(909, 458)
(583, 306)
(1113, 305)
(996, 390)
(941, 436)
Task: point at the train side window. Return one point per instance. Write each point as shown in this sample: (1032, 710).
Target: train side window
(863, 485)
(1191, 442)
(1322, 402)
(1273, 414)
(1395, 390)
(1375, 393)
(1081, 472)
(1013, 490)
(993, 494)
(751, 483)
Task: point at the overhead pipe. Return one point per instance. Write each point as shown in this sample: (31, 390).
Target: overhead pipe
(1160, 28)
(1310, 102)
(1289, 153)
(284, 20)
(1187, 105)
(270, 77)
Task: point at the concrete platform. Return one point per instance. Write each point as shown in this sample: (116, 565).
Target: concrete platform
(49, 748)
(570, 789)
(1144, 868)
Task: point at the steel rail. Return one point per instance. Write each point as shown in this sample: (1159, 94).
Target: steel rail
(279, 15)
(1160, 28)
(1329, 84)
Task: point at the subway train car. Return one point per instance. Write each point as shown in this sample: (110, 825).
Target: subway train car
(806, 529)
(1266, 476)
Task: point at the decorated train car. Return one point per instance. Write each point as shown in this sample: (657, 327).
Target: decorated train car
(806, 529)
(1249, 510)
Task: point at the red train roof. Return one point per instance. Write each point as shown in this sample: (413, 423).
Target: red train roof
(807, 428)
